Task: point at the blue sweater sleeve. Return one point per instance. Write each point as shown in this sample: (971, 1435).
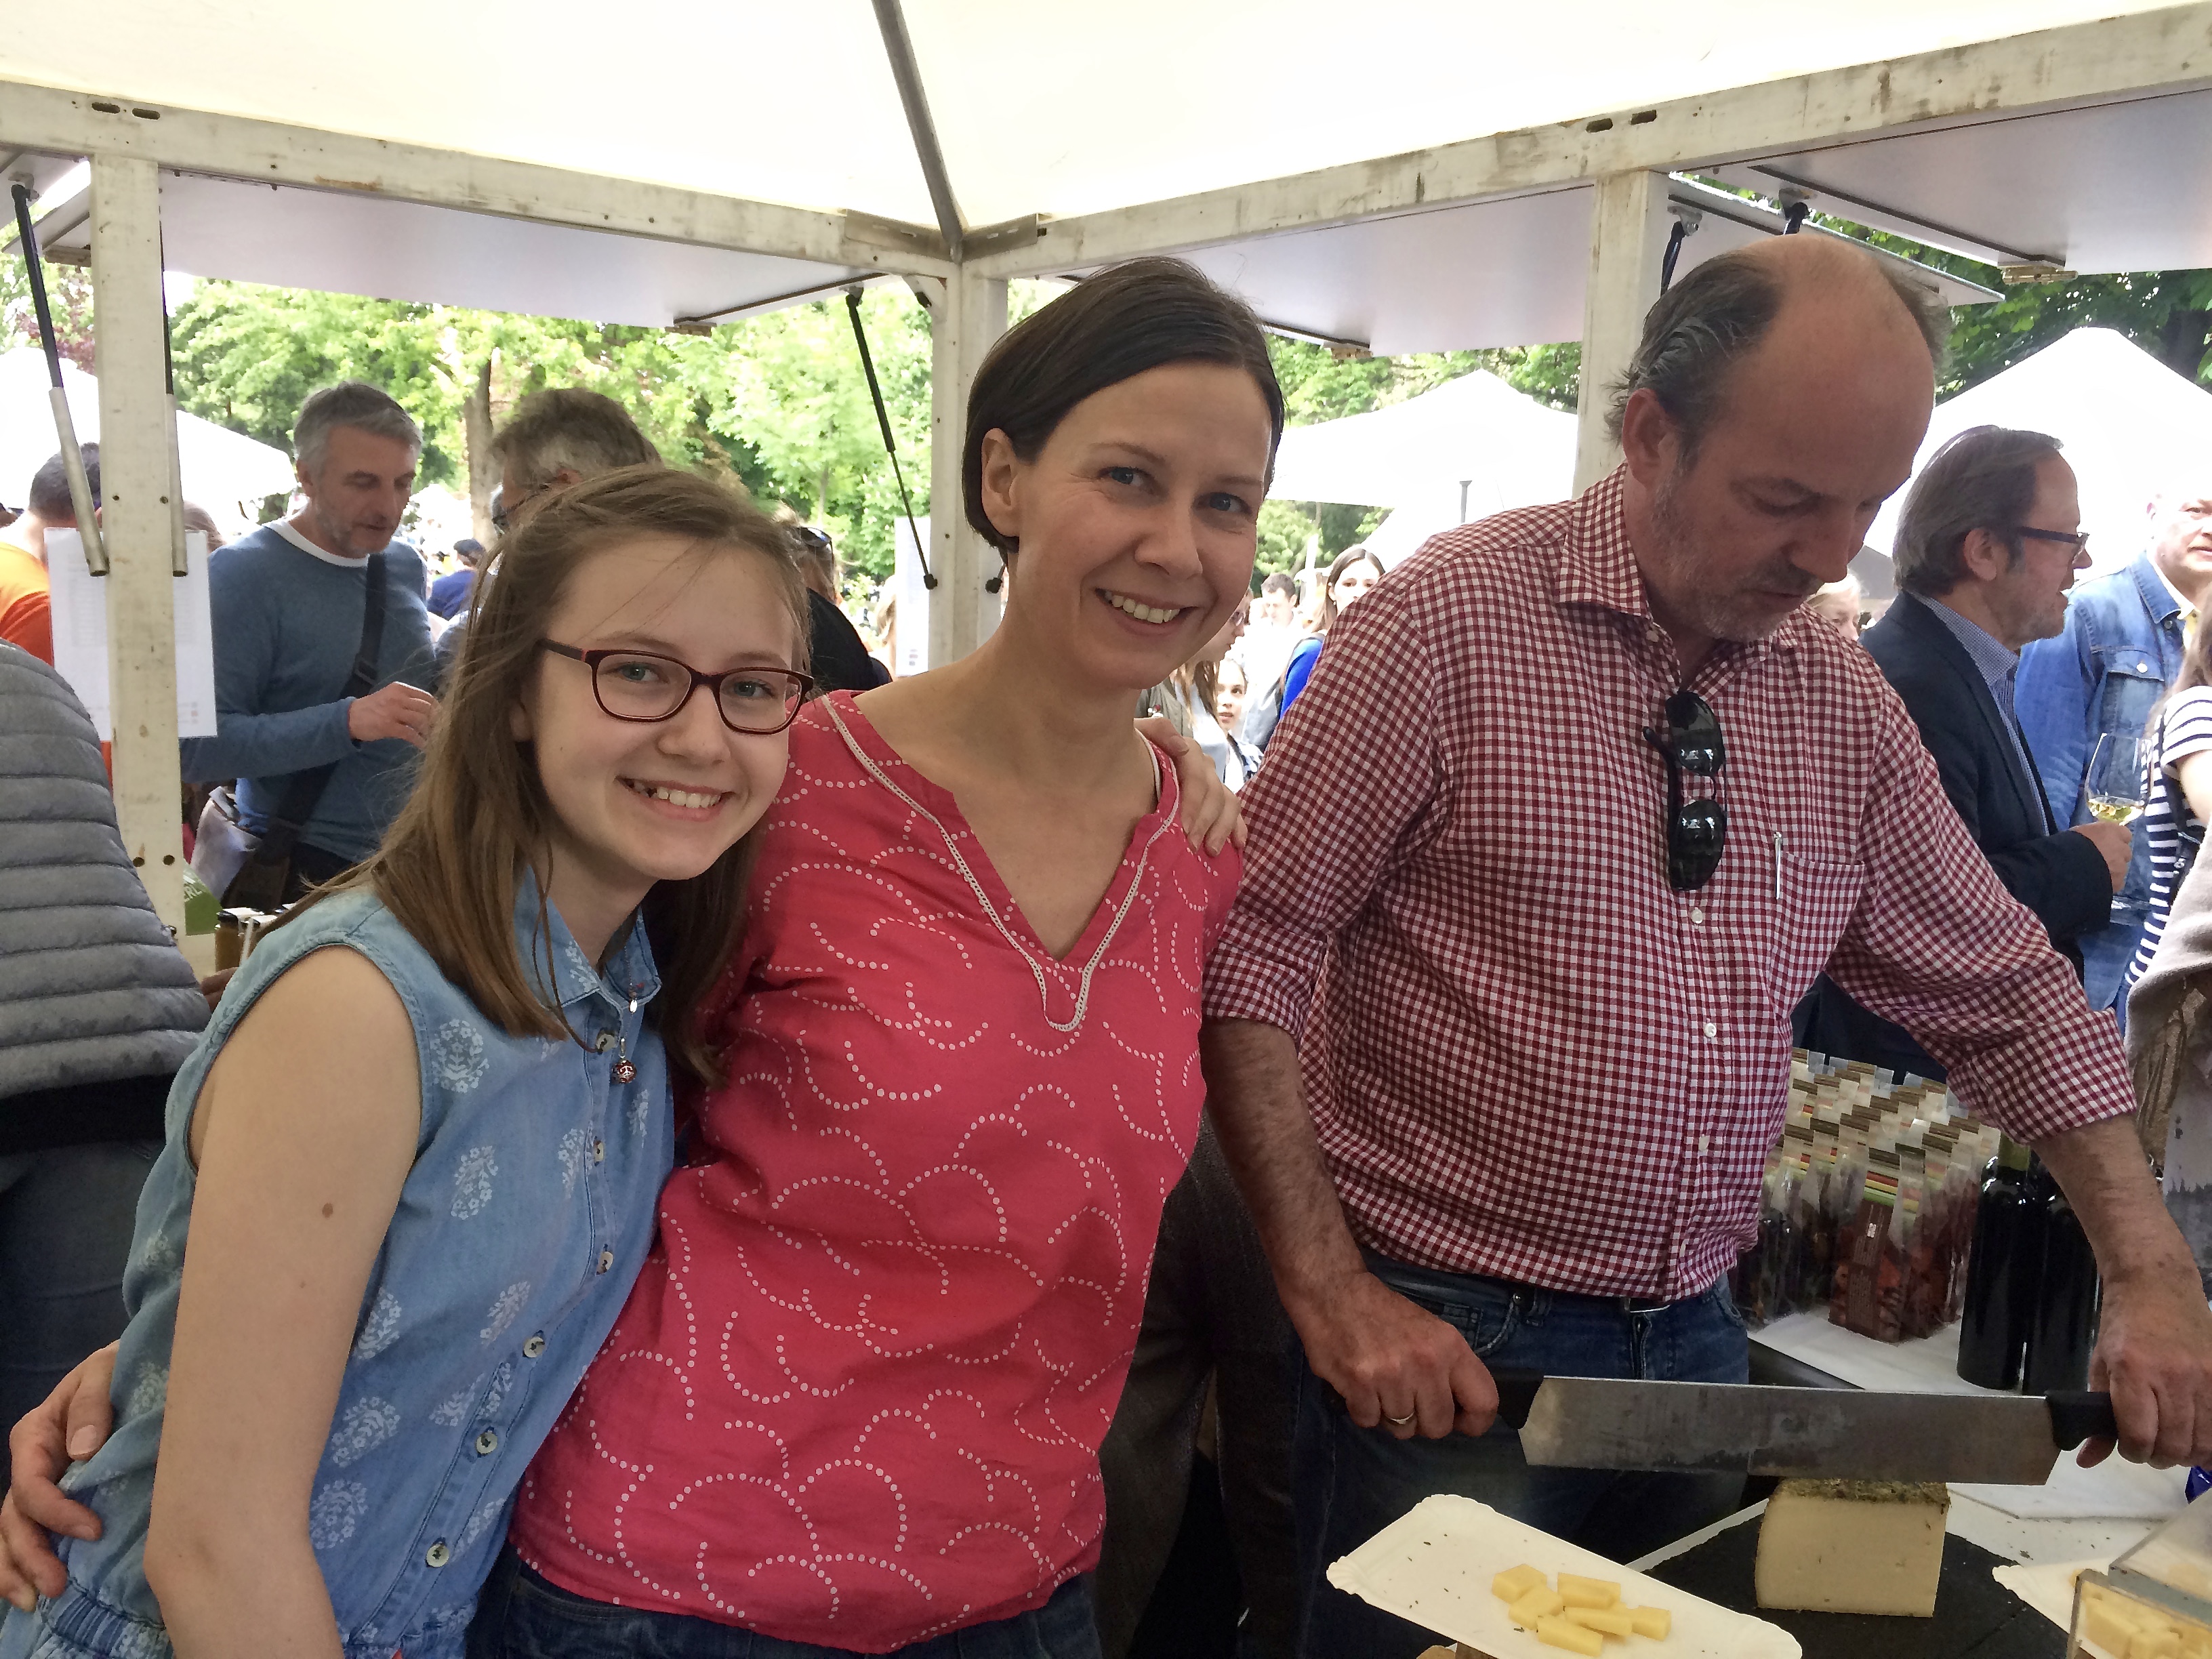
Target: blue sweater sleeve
(244, 610)
(1300, 671)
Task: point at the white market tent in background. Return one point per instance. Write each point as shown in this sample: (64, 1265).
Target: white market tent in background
(224, 471)
(1485, 176)
(1462, 451)
(2130, 426)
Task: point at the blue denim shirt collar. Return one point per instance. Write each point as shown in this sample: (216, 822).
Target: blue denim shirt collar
(2159, 597)
(630, 974)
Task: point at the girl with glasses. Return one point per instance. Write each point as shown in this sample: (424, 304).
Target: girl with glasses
(411, 1165)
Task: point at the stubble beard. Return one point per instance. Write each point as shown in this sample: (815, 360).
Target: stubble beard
(1716, 606)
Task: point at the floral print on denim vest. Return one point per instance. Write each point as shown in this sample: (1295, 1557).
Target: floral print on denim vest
(527, 1215)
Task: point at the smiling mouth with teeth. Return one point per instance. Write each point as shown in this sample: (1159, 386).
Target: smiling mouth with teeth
(1145, 613)
(691, 798)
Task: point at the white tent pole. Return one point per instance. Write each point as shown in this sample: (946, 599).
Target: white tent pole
(963, 324)
(138, 516)
(1628, 238)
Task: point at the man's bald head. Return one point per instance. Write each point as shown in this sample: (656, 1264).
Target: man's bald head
(1817, 289)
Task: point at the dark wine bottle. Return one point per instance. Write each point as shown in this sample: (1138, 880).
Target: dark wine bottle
(2064, 1327)
(2002, 1269)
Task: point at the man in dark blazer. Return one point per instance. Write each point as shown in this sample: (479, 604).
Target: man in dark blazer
(1986, 548)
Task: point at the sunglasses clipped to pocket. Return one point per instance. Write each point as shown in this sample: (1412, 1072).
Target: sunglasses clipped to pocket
(1697, 830)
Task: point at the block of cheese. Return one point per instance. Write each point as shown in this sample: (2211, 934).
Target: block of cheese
(1538, 1603)
(1575, 1639)
(1654, 1622)
(1514, 1582)
(1613, 1622)
(1579, 1592)
(1852, 1547)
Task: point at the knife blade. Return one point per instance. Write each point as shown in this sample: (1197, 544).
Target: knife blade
(1847, 1434)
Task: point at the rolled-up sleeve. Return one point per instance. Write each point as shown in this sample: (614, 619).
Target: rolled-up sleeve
(1939, 946)
(1353, 785)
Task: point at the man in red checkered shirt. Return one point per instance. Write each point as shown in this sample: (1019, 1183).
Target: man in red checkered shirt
(1577, 804)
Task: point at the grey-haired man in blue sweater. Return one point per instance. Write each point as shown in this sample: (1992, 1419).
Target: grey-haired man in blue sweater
(287, 603)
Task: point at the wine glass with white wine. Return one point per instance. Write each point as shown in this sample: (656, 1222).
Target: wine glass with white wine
(2119, 784)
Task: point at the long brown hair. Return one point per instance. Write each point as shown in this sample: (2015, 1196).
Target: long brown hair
(452, 861)
(1355, 553)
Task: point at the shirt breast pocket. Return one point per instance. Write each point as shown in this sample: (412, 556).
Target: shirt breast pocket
(2131, 687)
(1817, 897)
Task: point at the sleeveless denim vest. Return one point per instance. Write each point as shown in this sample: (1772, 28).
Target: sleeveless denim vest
(525, 1216)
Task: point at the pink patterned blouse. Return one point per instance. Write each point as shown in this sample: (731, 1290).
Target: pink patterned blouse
(857, 1395)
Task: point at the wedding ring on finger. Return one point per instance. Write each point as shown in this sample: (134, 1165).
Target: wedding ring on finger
(1400, 1422)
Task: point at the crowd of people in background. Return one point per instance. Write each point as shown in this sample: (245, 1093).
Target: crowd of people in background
(1072, 1046)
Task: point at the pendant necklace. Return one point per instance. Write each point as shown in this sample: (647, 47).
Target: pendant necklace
(624, 1071)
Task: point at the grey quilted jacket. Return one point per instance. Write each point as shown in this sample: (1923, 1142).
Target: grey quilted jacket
(98, 1008)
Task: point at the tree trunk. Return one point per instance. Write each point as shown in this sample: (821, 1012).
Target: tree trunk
(483, 472)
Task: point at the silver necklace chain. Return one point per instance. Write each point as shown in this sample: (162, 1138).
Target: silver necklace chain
(951, 845)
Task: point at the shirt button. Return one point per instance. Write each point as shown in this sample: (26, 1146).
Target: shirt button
(438, 1554)
(606, 1042)
(1711, 1030)
(487, 1444)
(534, 1346)
(598, 1152)
(1696, 916)
(606, 1259)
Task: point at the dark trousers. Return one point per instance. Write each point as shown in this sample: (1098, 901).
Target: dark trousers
(66, 1215)
(311, 867)
(1211, 1313)
(1353, 1482)
(522, 1616)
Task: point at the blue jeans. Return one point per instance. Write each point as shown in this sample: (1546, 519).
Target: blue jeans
(66, 1214)
(1350, 1482)
(522, 1616)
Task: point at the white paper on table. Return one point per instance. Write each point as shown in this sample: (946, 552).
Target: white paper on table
(78, 600)
(1434, 1563)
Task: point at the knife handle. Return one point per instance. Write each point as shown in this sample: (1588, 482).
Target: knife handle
(2077, 1416)
(1517, 1393)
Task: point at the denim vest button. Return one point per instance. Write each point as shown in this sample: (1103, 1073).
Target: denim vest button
(606, 1259)
(438, 1554)
(598, 1152)
(487, 1444)
(606, 1042)
(534, 1346)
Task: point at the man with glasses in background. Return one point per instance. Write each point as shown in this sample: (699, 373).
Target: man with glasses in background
(2120, 649)
(1498, 1032)
(1987, 547)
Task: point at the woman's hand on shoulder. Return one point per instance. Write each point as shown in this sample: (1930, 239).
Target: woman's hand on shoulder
(1210, 816)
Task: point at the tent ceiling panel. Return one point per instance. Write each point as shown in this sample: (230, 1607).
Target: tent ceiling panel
(2120, 186)
(1059, 110)
(355, 244)
(1498, 273)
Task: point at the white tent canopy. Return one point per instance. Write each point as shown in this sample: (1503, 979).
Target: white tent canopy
(1470, 447)
(225, 471)
(2130, 426)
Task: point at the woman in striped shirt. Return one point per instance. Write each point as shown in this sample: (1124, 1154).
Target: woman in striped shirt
(2179, 737)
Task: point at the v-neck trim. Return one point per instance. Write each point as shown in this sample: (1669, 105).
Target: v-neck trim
(967, 846)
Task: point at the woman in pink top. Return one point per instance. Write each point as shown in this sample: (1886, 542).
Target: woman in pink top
(855, 1401)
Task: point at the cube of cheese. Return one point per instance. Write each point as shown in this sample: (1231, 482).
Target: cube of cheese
(1654, 1622)
(1575, 1639)
(1514, 1582)
(1852, 1547)
(1538, 1603)
(2163, 1642)
(1613, 1622)
(1579, 1592)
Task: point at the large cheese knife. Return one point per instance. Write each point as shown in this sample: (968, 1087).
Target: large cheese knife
(1843, 1434)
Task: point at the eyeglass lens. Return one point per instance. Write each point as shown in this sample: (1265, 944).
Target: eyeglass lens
(638, 686)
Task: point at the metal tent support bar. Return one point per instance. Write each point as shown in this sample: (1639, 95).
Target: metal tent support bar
(80, 488)
(883, 419)
(899, 47)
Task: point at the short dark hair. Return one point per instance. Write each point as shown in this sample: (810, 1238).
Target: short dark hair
(1111, 328)
(1982, 480)
(50, 490)
(569, 428)
(1282, 582)
(1717, 314)
(356, 404)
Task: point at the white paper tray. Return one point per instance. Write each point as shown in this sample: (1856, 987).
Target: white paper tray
(1434, 1564)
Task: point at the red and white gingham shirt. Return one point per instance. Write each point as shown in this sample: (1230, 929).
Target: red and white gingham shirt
(1528, 1056)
